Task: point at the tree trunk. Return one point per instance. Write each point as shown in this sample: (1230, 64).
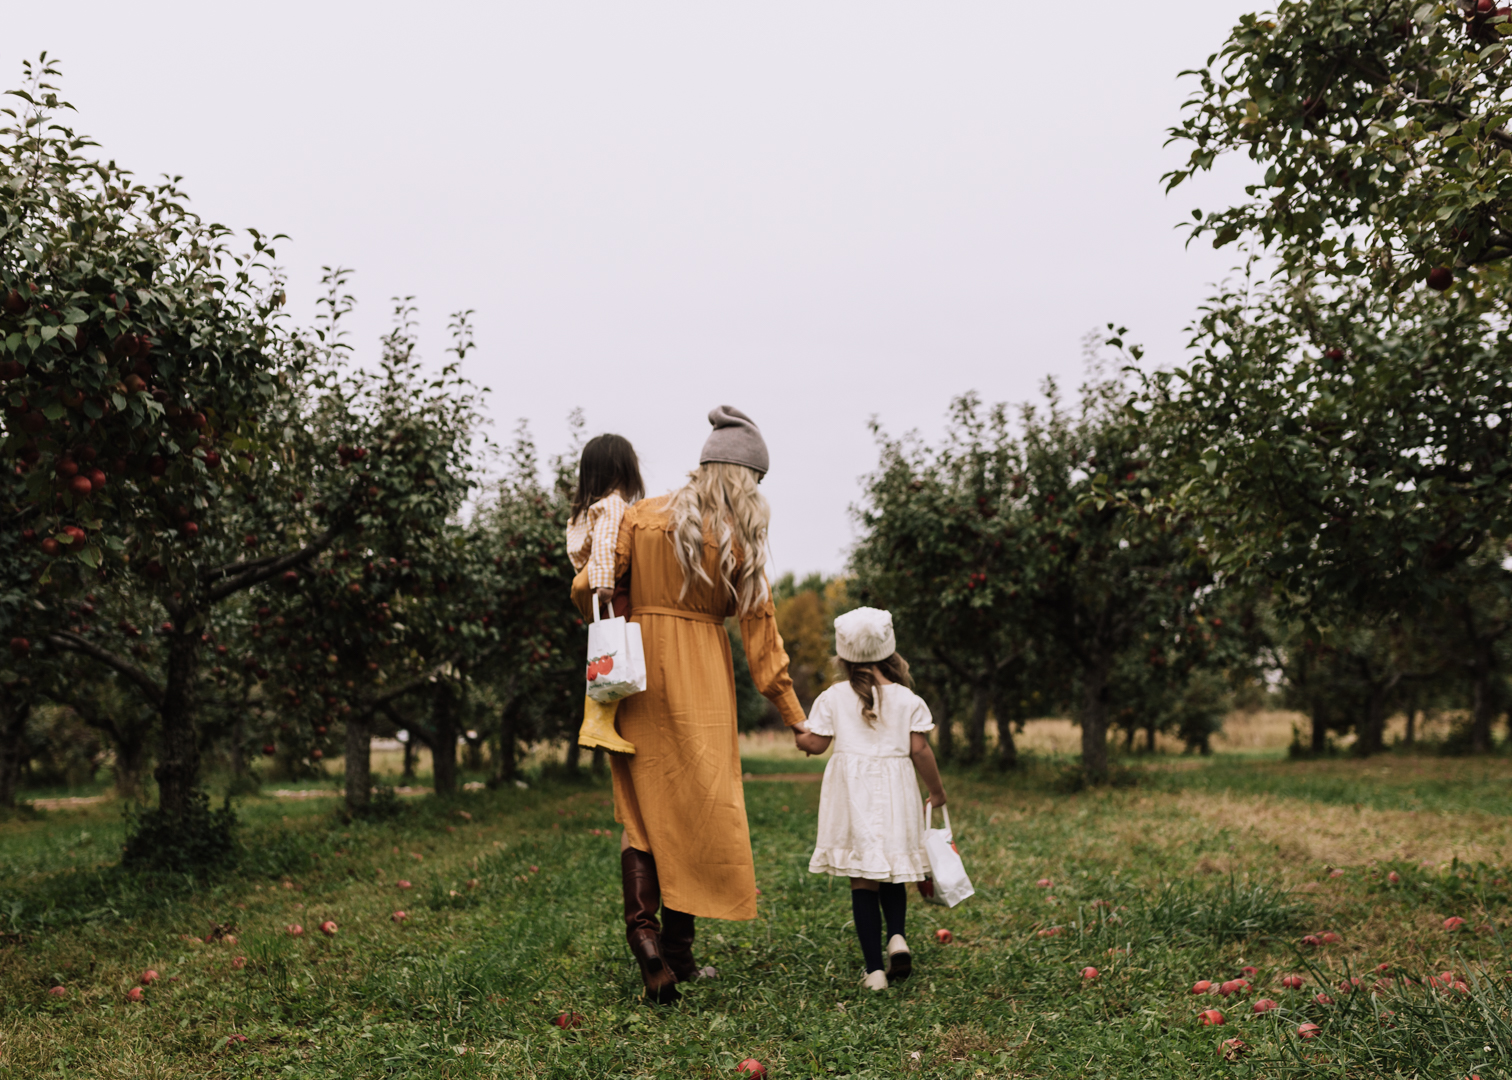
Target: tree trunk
(131, 757)
(1410, 736)
(1094, 720)
(939, 705)
(1003, 711)
(505, 767)
(1150, 726)
(1372, 725)
(574, 753)
(238, 743)
(1484, 714)
(409, 755)
(976, 731)
(1319, 728)
(444, 747)
(600, 761)
(13, 714)
(178, 770)
(359, 761)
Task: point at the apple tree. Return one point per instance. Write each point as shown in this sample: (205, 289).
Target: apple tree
(1340, 425)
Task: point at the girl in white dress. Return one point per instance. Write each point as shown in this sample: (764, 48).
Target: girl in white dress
(871, 819)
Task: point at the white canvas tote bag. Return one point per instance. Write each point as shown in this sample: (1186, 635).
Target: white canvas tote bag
(946, 870)
(616, 660)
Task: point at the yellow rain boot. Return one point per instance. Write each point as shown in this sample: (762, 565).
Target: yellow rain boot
(598, 727)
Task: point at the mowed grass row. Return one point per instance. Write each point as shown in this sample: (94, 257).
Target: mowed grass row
(513, 917)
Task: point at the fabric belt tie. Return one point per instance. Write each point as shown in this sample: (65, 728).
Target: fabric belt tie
(678, 613)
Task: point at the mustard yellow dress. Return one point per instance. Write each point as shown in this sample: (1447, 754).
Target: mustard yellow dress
(680, 796)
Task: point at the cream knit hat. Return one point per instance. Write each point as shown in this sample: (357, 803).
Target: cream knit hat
(865, 635)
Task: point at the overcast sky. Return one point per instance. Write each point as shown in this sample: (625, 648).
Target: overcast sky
(817, 212)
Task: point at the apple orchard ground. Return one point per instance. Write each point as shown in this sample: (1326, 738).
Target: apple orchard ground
(1206, 867)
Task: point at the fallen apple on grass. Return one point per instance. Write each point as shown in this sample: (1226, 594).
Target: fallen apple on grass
(1308, 1030)
(58, 991)
(1330, 938)
(238, 962)
(944, 937)
(1311, 941)
(134, 994)
(567, 1020)
(1049, 931)
(751, 1067)
(328, 928)
(1202, 986)
(1234, 1049)
(1045, 883)
(233, 1039)
(149, 977)
(1453, 922)
(294, 930)
(399, 916)
(403, 885)
(1089, 973)
(1323, 999)
(1249, 972)
(1394, 877)
(1210, 1017)
(1264, 1005)
(1292, 982)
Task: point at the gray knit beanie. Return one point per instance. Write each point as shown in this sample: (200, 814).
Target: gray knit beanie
(735, 440)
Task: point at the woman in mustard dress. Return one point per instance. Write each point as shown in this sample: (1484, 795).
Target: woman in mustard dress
(693, 559)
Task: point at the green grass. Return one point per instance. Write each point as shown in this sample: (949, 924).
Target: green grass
(1384, 783)
(1146, 886)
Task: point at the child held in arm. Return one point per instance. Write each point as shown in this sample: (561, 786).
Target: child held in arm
(871, 818)
(608, 479)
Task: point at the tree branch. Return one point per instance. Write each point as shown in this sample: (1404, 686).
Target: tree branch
(64, 639)
(256, 574)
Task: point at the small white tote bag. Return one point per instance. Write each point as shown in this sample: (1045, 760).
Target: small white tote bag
(616, 660)
(946, 870)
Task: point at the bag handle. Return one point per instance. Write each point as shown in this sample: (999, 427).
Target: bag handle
(929, 817)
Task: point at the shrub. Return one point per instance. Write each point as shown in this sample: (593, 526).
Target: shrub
(199, 842)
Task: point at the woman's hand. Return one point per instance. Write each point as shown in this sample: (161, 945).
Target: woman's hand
(604, 597)
(935, 801)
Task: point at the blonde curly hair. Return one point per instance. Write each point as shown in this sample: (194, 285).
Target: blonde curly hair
(720, 502)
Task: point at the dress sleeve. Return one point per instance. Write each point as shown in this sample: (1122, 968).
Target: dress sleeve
(768, 660)
(608, 514)
(821, 719)
(921, 720)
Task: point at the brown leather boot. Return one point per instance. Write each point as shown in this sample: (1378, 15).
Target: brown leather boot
(677, 944)
(642, 898)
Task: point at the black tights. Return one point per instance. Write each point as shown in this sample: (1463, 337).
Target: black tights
(893, 897)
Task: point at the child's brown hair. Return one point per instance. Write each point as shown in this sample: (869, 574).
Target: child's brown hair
(863, 679)
(608, 464)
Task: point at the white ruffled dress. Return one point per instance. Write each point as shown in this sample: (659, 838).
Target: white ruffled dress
(871, 816)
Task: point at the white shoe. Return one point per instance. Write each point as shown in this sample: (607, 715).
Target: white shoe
(875, 980)
(899, 959)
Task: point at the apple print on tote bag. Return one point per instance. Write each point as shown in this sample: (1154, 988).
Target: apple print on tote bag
(616, 661)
